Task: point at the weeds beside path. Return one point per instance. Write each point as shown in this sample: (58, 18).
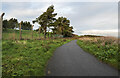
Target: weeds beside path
(28, 57)
(103, 48)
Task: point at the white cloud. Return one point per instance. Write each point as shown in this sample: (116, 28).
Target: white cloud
(101, 32)
(102, 21)
(23, 13)
(83, 16)
(60, 0)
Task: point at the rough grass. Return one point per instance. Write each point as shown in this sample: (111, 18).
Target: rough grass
(14, 34)
(27, 57)
(103, 48)
(11, 34)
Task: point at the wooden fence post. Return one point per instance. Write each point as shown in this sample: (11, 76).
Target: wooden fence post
(39, 32)
(1, 19)
(0, 28)
(32, 31)
(20, 31)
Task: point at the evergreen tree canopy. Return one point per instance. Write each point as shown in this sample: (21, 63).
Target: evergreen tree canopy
(11, 24)
(26, 25)
(46, 19)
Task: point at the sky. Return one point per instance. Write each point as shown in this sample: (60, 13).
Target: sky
(96, 18)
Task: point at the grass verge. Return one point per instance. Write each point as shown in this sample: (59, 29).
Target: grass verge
(27, 57)
(103, 48)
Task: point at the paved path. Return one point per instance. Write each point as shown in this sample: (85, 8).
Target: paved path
(71, 60)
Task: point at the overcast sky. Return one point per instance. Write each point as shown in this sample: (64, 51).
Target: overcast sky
(99, 18)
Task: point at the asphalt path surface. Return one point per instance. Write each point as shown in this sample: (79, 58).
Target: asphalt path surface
(71, 60)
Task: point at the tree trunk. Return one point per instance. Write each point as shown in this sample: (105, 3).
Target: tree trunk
(48, 33)
(45, 33)
(62, 32)
(51, 35)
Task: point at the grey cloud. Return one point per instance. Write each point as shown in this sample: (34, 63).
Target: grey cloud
(83, 15)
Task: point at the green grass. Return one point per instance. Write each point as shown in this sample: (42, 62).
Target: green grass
(106, 53)
(27, 57)
(11, 34)
(14, 34)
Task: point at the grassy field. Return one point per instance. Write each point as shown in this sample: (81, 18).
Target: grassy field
(14, 34)
(27, 57)
(30, 57)
(103, 48)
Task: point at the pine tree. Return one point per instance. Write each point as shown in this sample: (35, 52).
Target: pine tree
(46, 19)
